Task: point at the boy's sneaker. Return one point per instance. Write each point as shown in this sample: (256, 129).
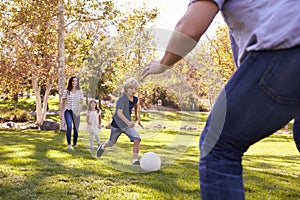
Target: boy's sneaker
(136, 163)
(69, 146)
(99, 151)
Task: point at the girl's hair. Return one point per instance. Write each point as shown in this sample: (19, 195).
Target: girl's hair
(96, 107)
(69, 87)
(131, 83)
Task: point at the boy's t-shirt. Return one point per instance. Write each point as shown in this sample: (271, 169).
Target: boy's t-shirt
(126, 105)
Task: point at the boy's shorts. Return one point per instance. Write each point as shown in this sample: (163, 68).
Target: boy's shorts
(116, 132)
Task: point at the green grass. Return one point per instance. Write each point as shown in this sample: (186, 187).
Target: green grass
(28, 104)
(36, 165)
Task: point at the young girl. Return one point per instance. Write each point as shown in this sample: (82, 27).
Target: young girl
(93, 119)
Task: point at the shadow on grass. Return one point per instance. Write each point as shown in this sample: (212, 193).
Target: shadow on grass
(37, 165)
(272, 177)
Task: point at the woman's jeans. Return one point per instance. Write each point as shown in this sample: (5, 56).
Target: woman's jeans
(70, 118)
(260, 98)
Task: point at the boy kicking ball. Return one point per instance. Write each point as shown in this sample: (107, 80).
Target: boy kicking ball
(122, 123)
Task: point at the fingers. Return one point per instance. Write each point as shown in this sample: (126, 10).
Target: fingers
(153, 67)
(145, 72)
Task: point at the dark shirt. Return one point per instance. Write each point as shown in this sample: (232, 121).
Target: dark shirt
(126, 106)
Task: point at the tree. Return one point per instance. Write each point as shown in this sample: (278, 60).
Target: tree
(28, 32)
(122, 55)
(221, 53)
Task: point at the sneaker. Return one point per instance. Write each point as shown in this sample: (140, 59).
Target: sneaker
(70, 146)
(136, 163)
(99, 151)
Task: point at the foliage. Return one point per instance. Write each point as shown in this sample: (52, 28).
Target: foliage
(15, 115)
(119, 56)
(221, 53)
(167, 98)
(29, 42)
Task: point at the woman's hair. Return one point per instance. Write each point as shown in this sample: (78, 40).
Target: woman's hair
(96, 107)
(131, 83)
(69, 87)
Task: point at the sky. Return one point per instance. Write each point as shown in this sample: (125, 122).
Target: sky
(170, 11)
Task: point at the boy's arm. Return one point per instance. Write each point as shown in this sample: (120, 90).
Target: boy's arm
(124, 119)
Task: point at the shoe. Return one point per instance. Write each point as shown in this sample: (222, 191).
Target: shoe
(136, 163)
(75, 145)
(99, 151)
(70, 146)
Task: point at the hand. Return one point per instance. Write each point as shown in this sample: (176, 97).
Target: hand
(77, 113)
(131, 124)
(61, 116)
(154, 67)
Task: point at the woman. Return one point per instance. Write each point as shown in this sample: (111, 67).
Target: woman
(72, 100)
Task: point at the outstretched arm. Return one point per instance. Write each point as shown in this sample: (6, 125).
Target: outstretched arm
(188, 32)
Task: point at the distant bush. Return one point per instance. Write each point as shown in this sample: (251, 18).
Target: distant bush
(17, 115)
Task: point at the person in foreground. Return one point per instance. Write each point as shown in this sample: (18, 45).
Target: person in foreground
(122, 123)
(262, 95)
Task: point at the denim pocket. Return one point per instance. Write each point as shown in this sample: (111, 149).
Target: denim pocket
(281, 80)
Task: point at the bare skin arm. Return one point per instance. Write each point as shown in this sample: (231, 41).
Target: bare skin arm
(188, 32)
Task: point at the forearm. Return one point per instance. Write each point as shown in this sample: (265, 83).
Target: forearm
(189, 30)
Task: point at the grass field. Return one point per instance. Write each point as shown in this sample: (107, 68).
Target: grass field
(36, 164)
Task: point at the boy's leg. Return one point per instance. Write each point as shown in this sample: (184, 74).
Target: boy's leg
(114, 135)
(253, 107)
(136, 149)
(136, 139)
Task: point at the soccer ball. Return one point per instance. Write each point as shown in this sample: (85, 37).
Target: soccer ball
(150, 161)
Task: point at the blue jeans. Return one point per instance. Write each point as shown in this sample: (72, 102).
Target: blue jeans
(296, 132)
(70, 119)
(262, 96)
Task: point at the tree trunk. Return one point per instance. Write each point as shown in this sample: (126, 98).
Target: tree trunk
(61, 56)
(47, 93)
(16, 99)
(38, 106)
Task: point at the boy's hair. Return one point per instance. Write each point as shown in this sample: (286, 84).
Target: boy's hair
(131, 83)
